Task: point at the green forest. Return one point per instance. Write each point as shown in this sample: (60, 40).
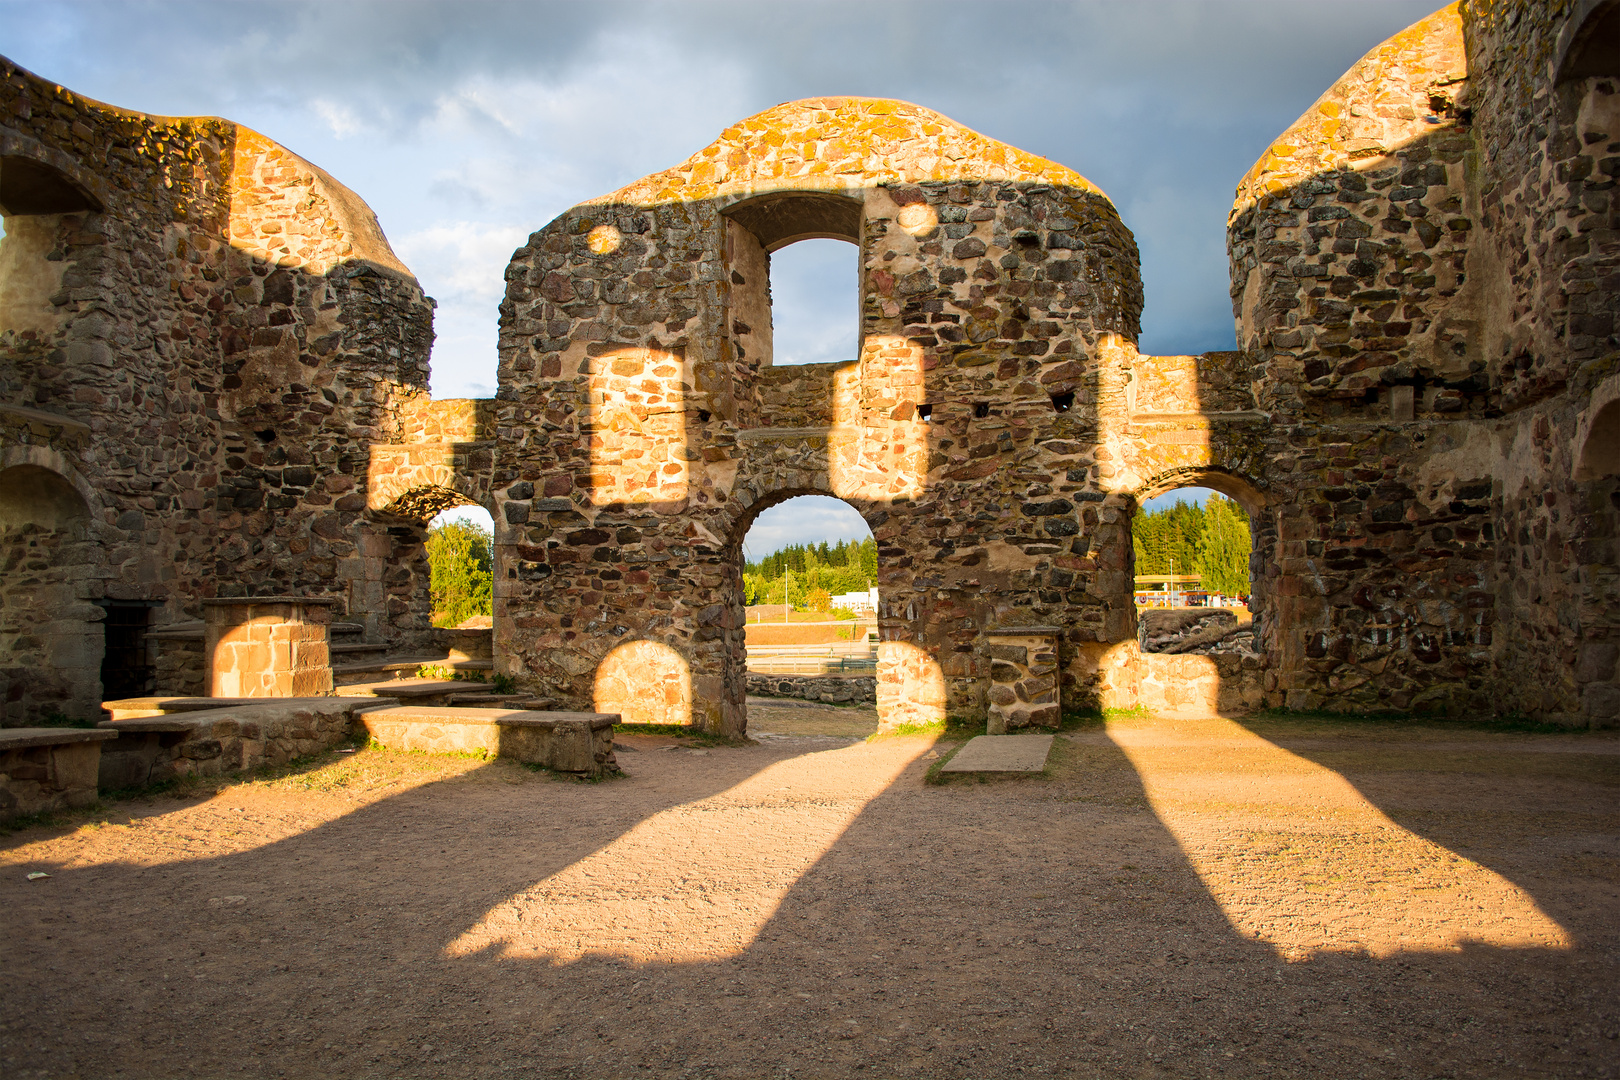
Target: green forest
(460, 558)
(811, 573)
(1211, 540)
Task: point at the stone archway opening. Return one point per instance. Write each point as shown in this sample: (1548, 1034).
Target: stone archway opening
(809, 581)
(398, 599)
(461, 566)
(1197, 539)
(51, 646)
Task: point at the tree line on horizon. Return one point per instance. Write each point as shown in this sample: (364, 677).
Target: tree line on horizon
(1212, 541)
(809, 575)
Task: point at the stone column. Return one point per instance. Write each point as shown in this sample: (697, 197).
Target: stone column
(269, 646)
(1023, 678)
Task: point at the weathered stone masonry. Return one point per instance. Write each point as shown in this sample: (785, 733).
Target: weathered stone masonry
(224, 369)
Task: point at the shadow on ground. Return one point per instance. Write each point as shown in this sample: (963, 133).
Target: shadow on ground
(811, 909)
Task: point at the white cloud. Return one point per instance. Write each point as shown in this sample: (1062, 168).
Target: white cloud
(341, 119)
(808, 519)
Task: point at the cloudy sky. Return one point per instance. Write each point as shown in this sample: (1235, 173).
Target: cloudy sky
(468, 125)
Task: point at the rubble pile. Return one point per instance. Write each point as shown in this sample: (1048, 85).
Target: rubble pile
(1194, 630)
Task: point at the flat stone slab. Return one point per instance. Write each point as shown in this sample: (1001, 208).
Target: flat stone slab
(413, 688)
(576, 742)
(18, 737)
(1001, 754)
(133, 708)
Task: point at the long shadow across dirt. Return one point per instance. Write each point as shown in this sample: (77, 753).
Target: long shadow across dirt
(787, 909)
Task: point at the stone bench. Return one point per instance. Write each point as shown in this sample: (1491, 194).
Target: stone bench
(231, 736)
(417, 691)
(43, 769)
(575, 742)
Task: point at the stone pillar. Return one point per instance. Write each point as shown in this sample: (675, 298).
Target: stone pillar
(1023, 678)
(269, 646)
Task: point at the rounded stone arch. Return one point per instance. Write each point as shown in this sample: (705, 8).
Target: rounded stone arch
(780, 218)
(52, 461)
(743, 519)
(1240, 489)
(424, 503)
(1597, 434)
(1589, 44)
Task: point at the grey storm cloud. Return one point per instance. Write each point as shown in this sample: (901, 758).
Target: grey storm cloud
(468, 125)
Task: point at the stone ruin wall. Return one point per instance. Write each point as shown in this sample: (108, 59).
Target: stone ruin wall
(1419, 269)
(649, 430)
(1423, 286)
(230, 328)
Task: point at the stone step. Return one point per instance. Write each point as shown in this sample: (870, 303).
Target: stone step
(347, 628)
(490, 701)
(353, 647)
(409, 664)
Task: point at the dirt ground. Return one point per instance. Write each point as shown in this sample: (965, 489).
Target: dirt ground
(1175, 898)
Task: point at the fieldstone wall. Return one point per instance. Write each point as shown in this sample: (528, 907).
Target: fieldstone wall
(832, 689)
(221, 334)
(223, 360)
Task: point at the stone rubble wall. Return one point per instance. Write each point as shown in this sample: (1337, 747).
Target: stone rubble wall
(218, 742)
(231, 329)
(1550, 214)
(832, 689)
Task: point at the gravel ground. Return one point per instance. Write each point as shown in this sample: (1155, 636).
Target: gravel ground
(1174, 898)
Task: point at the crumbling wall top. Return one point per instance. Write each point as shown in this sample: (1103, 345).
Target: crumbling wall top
(1370, 110)
(837, 143)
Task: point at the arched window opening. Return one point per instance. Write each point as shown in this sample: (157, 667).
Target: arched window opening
(1192, 549)
(794, 262)
(33, 198)
(461, 559)
(815, 303)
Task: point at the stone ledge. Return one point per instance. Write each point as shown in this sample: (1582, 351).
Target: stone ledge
(40, 416)
(16, 738)
(221, 601)
(1024, 631)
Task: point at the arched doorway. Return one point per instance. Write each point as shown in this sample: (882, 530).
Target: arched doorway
(1201, 545)
(51, 647)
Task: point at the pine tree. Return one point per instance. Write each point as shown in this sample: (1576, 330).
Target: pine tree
(460, 556)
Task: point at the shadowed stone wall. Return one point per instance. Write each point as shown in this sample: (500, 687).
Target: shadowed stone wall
(210, 343)
(221, 334)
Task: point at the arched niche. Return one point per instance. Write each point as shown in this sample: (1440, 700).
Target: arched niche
(51, 643)
(1599, 454)
(645, 682)
(1589, 44)
(30, 186)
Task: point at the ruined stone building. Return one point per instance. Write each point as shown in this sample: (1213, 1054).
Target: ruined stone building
(213, 383)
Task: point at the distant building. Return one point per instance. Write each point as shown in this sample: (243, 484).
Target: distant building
(858, 602)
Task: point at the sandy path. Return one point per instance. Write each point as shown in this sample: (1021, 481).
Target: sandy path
(1173, 899)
